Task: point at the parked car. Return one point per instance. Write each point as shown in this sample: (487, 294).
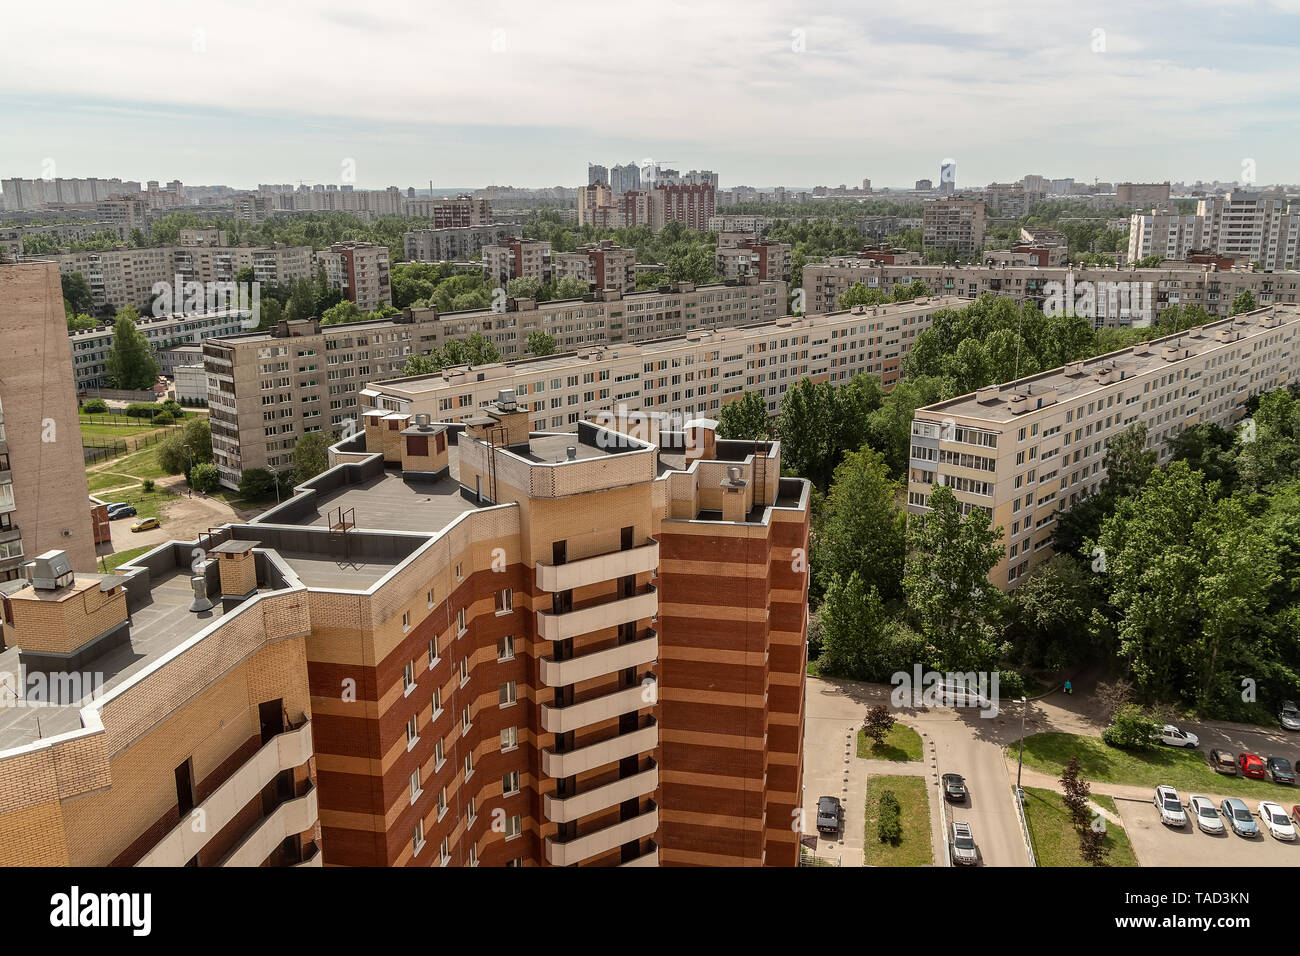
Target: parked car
(1222, 761)
(964, 850)
(828, 814)
(1279, 770)
(1170, 806)
(1205, 814)
(125, 511)
(1171, 736)
(1251, 765)
(111, 506)
(1295, 812)
(1289, 716)
(1237, 814)
(145, 524)
(954, 787)
(1276, 821)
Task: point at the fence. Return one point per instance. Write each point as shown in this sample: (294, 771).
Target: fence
(102, 449)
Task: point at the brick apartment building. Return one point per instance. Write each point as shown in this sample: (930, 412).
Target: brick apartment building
(739, 255)
(463, 645)
(43, 496)
(360, 271)
(602, 265)
(449, 213)
(518, 259)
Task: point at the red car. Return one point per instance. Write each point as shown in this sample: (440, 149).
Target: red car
(1251, 765)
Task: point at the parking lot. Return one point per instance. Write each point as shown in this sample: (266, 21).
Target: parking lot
(1158, 845)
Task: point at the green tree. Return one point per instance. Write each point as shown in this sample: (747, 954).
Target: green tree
(1244, 302)
(853, 623)
(539, 343)
(130, 363)
(570, 287)
(345, 311)
(76, 291)
(687, 263)
(745, 418)
(186, 447)
(524, 287)
(1055, 615)
(859, 294)
(204, 477)
(256, 484)
(946, 581)
(310, 456)
(861, 529)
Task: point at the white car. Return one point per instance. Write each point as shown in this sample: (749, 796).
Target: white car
(1276, 821)
(1171, 736)
(1170, 807)
(1205, 813)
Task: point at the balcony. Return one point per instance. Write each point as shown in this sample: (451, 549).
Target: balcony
(560, 720)
(602, 798)
(602, 841)
(288, 819)
(649, 858)
(557, 627)
(585, 667)
(285, 751)
(602, 567)
(573, 762)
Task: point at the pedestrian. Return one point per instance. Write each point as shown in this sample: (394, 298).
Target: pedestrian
(1068, 688)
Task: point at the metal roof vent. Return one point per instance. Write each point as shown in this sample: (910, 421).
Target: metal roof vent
(506, 399)
(50, 571)
(199, 583)
(571, 452)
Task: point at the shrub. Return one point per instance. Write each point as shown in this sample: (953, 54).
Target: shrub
(1131, 729)
(256, 483)
(96, 406)
(172, 408)
(147, 485)
(889, 823)
(163, 418)
(142, 410)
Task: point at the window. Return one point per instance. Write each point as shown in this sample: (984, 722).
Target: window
(473, 855)
(509, 738)
(417, 839)
(408, 677)
(442, 802)
(444, 852)
(429, 596)
(514, 826)
(510, 783)
(411, 735)
(506, 694)
(415, 785)
(465, 720)
(459, 576)
(460, 623)
(469, 765)
(517, 862)
(464, 671)
(506, 648)
(471, 811)
(437, 701)
(406, 620)
(433, 652)
(505, 601)
(439, 758)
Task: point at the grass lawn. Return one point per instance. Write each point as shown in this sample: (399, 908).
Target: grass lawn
(1184, 770)
(128, 426)
(100, 480)
(1055, 841)
(903, 743)
(914, 848)
(112, 561)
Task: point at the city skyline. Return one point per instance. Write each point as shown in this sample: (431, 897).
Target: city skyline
(1123, 94)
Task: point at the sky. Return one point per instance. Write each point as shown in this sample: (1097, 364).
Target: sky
(240, 92)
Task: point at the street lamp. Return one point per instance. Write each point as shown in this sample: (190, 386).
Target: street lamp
(1020, 761)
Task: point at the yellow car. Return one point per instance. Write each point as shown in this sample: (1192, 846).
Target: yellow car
(145, 524)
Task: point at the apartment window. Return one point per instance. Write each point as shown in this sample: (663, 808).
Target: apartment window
(439, 757)
(444, 852)
(411, 735)
(460, 623)
(517, 862)
(417, 838)
(471, 811)
(442, 802)
(506, 694)
(464, 671)
(459, 576)
(505, 601)
(408, 677)
(469, 765)
(437, 701)
(465, 721)
(406, 620)
(473, 855)
(509, 738)
(510, 783)
(514, 826)
(506, 648)
(433, 652)
(429, 596)
(415, 785)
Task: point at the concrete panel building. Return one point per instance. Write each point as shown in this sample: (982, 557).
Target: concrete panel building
(953, 223)
(456, 243)
(602, 265)
(1025, 451)
(43, 496)
(360, 270)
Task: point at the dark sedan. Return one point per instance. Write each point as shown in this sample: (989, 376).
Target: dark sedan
(954, 787)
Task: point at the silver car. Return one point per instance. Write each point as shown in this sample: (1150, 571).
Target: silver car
(1205, 814)
(964, 850)
(1289, 716)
